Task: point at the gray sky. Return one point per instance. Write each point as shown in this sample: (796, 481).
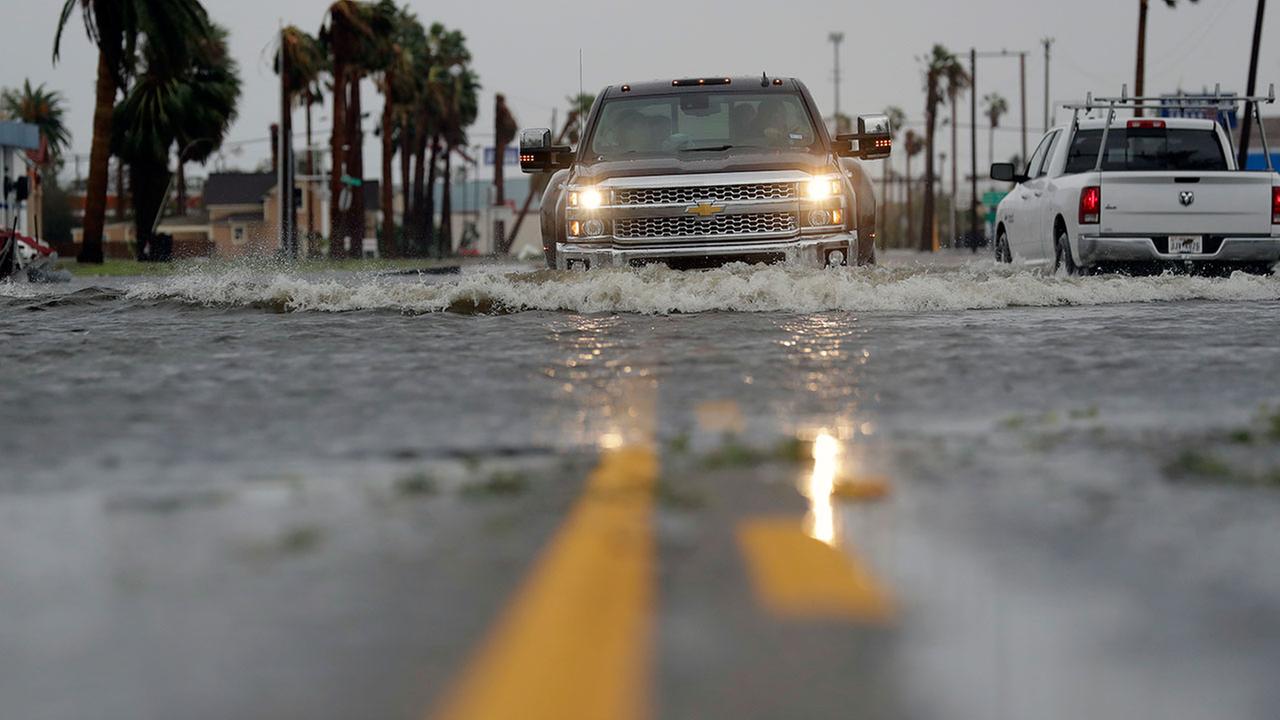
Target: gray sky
(529, 50)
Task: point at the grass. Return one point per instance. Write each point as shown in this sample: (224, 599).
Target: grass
(418, 484)
(1198, 463)
(133, 268)
(500, 484)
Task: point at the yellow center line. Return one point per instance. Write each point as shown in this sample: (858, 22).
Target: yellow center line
(576, 640)
(796, 576)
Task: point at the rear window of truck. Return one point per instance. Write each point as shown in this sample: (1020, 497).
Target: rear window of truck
(1146, 149)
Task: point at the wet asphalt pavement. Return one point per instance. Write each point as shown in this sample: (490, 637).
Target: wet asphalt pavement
(257, 495)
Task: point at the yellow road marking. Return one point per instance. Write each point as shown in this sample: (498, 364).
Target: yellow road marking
(797, 576)
(576, 641)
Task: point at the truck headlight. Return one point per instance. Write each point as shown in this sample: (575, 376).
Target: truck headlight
(821, 188)
(586, 198)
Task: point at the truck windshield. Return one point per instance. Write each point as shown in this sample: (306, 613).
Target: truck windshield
(702, 122)
(1146, 149)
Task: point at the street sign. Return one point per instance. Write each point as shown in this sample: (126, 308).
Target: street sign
(352, 181)
(510, 157)
(990, 200)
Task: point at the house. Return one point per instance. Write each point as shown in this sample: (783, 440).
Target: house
(238, 218)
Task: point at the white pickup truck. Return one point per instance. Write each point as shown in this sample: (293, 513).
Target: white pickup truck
(1166, 193)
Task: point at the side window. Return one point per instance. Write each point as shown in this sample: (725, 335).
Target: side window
(1037, 157)
(1048, 155)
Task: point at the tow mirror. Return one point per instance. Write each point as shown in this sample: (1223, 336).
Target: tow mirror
(873, 141)
(537, 154)
(1005, 172)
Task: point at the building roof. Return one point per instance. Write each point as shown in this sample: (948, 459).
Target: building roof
(241, 218)
(233, 188)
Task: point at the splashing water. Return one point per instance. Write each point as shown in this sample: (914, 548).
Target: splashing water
(660, 290)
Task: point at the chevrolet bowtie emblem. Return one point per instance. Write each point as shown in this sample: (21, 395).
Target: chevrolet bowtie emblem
(704, 209)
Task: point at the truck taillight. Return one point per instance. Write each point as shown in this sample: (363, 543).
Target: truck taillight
(1091, 205)
(1275, 206)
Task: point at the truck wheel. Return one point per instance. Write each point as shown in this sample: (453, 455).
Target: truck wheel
(1003, 255)
(1063, 262)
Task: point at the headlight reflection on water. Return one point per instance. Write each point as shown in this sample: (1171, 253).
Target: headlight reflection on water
(820, 523)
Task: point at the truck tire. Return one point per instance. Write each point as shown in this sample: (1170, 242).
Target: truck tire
(1062, 260)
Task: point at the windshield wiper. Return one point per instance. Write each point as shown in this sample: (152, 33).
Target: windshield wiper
(710, 148)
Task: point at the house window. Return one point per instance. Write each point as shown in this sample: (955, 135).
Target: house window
(237, 235)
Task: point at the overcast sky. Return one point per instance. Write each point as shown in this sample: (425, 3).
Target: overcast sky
(529, 51)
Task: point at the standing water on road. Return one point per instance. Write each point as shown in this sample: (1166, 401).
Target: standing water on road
(256, 492)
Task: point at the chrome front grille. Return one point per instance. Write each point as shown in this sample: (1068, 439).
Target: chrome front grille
(763, 224)
(711, 193)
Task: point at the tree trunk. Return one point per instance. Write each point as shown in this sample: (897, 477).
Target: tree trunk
(931, 137)
(429, 196)
(95, 203)
(1140, 74)
(313, 247)
(406, 188)
(148, 181)
(355, 166)
(338, 232)
(955, 167)
(420, 234)
(910, 220)
(388, 248)
(446, 206)
(180, 183)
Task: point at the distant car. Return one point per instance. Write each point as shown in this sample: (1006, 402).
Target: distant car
(1165, 193)
(704, 171)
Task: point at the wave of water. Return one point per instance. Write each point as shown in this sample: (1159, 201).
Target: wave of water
(659, 290)
(655, 290)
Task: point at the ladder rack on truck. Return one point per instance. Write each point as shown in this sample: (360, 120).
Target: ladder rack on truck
(1217, 102)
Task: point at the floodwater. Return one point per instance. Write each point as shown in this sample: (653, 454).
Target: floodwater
(208, 504)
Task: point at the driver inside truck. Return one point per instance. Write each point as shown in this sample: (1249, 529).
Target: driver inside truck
(740, 120)
(770, 124)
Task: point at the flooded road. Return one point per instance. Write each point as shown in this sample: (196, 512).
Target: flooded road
(922, 491)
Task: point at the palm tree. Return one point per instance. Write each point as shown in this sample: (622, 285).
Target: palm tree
(398, 88)
(442, 67)
(190, 106)
(914, 144)
(341, 38)
(897, 119)
(116, 27)
(461, 106)
(941, 69)
(45, 109)
(1140, 75)
(995, 107)
(304, 61)
(957, 81)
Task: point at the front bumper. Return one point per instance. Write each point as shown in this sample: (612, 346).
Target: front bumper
(809, 250)
(1093, 249)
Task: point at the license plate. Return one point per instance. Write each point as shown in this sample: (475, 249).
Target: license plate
(1186, 244)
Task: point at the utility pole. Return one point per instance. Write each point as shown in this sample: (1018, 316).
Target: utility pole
(1246, 129)
(1048, 44)
(1022, 79)
(973, 145)
(836, 38)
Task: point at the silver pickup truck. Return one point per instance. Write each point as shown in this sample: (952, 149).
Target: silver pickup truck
(702, 171)
(1140, 194)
